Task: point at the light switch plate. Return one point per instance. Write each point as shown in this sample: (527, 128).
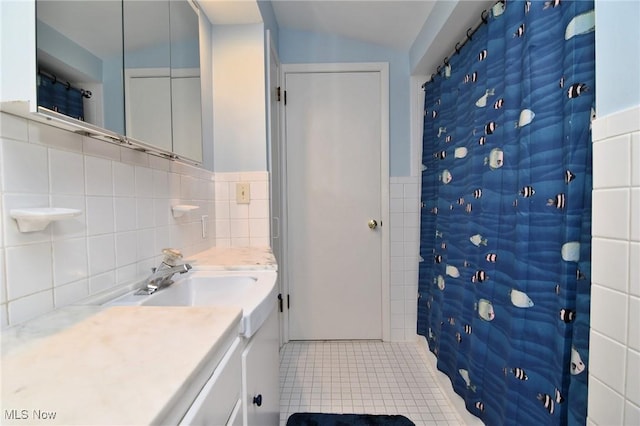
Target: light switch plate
(243, 193)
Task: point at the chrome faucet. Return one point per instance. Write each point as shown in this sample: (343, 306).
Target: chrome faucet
(161, 276)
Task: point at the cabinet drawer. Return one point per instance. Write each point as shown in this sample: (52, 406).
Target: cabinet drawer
(217, 399)
(236, 415)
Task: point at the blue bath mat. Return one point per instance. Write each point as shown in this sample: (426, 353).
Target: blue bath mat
(322, 419)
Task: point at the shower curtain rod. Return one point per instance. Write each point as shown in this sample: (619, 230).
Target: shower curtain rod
(85, 93)
(456, 50)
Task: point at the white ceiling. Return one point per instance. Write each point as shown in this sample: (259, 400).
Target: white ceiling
(393, 24)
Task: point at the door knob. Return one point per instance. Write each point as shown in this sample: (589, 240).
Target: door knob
(257, 400)
(372, 224)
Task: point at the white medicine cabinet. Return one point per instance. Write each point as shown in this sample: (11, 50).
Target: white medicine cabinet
(124, 71)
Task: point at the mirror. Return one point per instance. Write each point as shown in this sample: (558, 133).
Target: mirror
(162, 76)
(79, 58)
(185, 81)
(147, 72)
(131, 67)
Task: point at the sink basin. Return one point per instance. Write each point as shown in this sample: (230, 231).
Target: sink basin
(253, 291)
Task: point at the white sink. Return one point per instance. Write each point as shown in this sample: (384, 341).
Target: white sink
(253, 291)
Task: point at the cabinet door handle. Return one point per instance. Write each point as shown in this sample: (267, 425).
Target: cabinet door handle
(257, 400)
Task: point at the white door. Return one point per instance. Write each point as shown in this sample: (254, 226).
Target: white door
(149, 110)
(334, 138)
(186, 117)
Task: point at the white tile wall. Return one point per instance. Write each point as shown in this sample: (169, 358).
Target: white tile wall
(70, 261)
(28, 269)
(614, 303)
(633, 371)
(67, 172)
(242, 225)
(30, 306)
(126, 198)
(25, 169)
(99, 176)
(123, 175)
(69, 293)
(603, 354)
(613, 264)
(605, 406)
(404, 199)
(614, 358)
(631, 414)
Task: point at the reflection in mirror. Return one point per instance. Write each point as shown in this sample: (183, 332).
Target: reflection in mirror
(147, 70)
(162, 75)
(185, 81)
(79, 58)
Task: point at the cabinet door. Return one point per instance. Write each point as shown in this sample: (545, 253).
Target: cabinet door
(219, 396)
(261, 376)
(236, 415)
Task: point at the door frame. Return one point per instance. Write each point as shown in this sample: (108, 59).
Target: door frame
(276, 184)
(383, 69)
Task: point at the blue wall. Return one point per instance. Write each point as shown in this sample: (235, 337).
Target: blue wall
(185, 54)
(617, 55)
(306, 47)
(434, 23)
(68, 52)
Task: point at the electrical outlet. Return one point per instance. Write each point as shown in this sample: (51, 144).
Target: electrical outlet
(243, 193)
(205, 231)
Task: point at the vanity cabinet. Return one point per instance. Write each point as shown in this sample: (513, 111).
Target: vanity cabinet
(261, 377)
(218, 403)
(244, 388)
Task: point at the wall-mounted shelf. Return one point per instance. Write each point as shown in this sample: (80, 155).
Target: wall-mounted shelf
(181, 209)
(37, 219)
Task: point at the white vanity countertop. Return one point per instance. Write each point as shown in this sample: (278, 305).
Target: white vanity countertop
(29, 333)
(117, 365)
(234, 259)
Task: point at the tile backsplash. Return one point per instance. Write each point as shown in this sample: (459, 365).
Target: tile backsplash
(125, 197)
(241, 225)
(614, 364)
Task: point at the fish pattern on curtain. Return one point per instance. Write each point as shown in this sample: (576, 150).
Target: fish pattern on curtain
(504, 274)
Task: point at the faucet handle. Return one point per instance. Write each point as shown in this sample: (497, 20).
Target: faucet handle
(171, 255)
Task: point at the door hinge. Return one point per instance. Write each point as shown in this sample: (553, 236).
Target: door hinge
(288, 302)
(280, 301)
(279, 94)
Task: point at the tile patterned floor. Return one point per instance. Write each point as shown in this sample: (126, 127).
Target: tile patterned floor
(362, 377)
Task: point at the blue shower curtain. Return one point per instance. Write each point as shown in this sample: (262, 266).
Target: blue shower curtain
(504, 275)
(60, 96)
